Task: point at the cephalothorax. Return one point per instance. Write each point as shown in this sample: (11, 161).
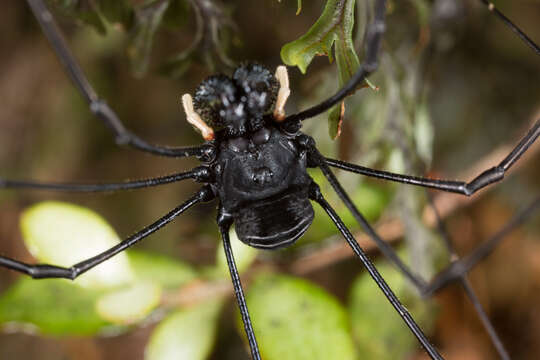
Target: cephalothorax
(255, 162)
(263, 185)
(259, 169)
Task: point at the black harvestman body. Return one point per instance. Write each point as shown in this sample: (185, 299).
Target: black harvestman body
(254, 163)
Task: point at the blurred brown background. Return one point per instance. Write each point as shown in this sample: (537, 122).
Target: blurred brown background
(484, 91)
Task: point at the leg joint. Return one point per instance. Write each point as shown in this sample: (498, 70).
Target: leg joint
(315, 192)
(206, 194)
(44, 271)
(207, 153)
(203, 174)
(487, 177)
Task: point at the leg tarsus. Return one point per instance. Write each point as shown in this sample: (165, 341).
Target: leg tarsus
(462, 266)
(467, 287)
(513, 27)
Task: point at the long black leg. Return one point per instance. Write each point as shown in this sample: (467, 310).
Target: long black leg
(512, 26)
(199, 174)
(462, 266)
(465, 283)
(42, 271)
(385, 248)
(97, 105)
(316, 195)
(420, 284)
(224, 223)
(487, 177)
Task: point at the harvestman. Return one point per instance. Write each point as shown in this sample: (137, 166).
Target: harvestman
(254, 161)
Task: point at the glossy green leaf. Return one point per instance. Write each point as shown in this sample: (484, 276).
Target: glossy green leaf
(163, 270)
(298, 320)
(53, 307)
(244, 255)
(64, 234)
(188, 334)
(129, 305)
(379, 331)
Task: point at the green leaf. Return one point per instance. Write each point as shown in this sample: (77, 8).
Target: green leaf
(153, 273)
(379, 331)
(129, 305)
(147, 21)
(188, 334)
(297, 320)
(335, 23)
(334, 27)
(169, 273)
(244, 255)
(54, 307)
(64, 234)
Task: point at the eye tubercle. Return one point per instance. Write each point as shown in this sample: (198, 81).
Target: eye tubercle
(261, 137)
